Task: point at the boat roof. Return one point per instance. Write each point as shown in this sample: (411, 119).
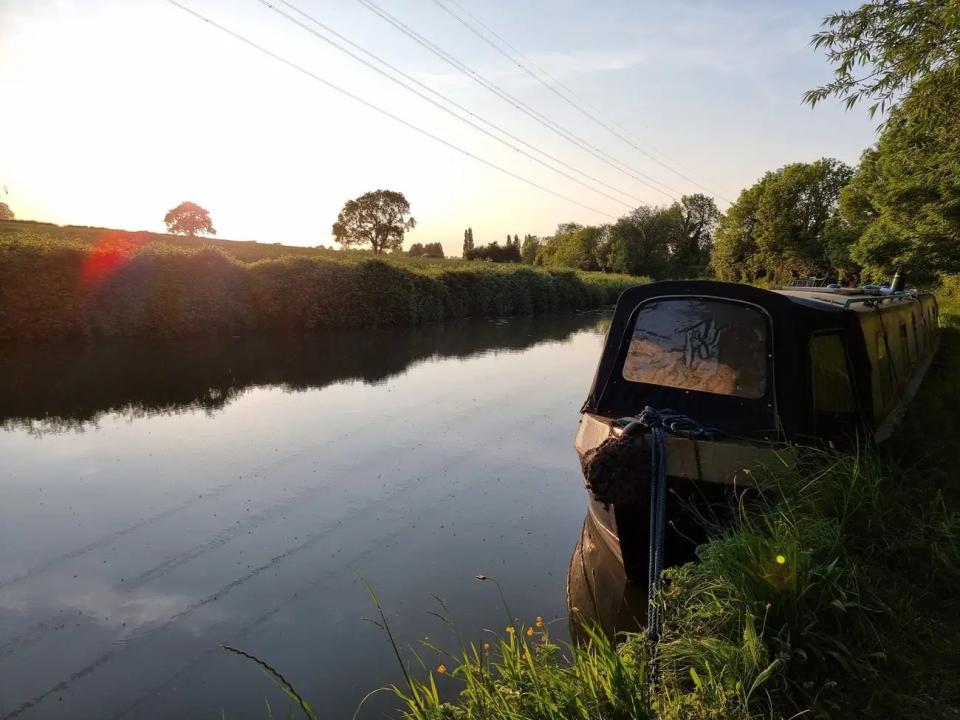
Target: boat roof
(858, 299)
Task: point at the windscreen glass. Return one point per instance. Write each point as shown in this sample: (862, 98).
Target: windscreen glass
(700, 344)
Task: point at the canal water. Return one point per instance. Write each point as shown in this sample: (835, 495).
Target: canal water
(162, 499)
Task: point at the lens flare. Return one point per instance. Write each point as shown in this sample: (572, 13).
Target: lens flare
(109, 253)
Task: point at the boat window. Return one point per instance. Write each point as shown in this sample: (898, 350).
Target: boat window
(884, 369)
(700, 344)
(905, 349)
(832, 391)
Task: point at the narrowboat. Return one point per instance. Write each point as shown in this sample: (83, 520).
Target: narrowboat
(700, 380)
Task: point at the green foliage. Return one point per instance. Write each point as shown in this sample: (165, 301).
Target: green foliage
(779, 228)
(526, 675)
(188, 218)
(430, 250)
(904, 201)
(378, 218)
(494, 252)
(903, 206)
(692, 246)
(642, 239)
(528, 252)
(572, 246)
(882, 48)
(467, 243)
(661, 242)
(57, 283)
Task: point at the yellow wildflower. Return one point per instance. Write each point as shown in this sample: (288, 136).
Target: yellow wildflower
(441, 668)
(539, 621)
(511, 629)
(781, 559)
(529, 632)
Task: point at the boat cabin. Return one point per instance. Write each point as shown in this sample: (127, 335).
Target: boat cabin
(766, 370)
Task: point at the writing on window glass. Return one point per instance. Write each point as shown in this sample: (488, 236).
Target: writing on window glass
(699, 344)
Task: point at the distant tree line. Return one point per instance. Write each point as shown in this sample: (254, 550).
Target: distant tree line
(430, 250)
(660, 242)
(509, 252)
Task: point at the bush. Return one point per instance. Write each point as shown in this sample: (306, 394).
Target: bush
(63, 282)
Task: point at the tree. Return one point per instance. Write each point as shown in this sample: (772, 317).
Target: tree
(467, 243)
(690, 254)
(528, 253)
(777, 229)
(188, 218)
(640, 243)
(573, 246)
(5, 212)
(378, 218)
(430, 250)
(433, 250)
(883, 48)
(903, 205)
(494, 252)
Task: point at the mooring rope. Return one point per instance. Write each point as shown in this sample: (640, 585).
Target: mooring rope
(660, 422)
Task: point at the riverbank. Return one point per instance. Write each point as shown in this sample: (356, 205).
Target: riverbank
(91, 282)
(834, 595)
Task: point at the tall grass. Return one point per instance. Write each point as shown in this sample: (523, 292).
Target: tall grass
(58, 284)
(802, 607)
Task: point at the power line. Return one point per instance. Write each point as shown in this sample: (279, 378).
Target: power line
(620, 166)
(372, 106)
(518, 59)
(445, 98)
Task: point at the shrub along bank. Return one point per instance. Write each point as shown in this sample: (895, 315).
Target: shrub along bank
(58, 285)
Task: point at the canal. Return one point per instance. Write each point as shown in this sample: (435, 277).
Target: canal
(161, 499)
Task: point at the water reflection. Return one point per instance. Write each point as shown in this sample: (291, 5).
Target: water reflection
(598, 591)
(63, 386)
(204, 503)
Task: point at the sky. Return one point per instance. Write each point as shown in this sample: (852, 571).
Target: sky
(116, 111)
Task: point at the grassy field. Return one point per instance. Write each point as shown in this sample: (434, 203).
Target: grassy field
(69, 281)
(835, 595)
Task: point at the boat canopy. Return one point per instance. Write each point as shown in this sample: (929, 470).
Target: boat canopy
(762, 364)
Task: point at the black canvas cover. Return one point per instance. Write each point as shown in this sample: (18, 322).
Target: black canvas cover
(730, 356)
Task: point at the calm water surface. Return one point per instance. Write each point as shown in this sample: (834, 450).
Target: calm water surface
(159, 500)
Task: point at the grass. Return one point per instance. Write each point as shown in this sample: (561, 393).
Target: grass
(66, 281)
(807, 606)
